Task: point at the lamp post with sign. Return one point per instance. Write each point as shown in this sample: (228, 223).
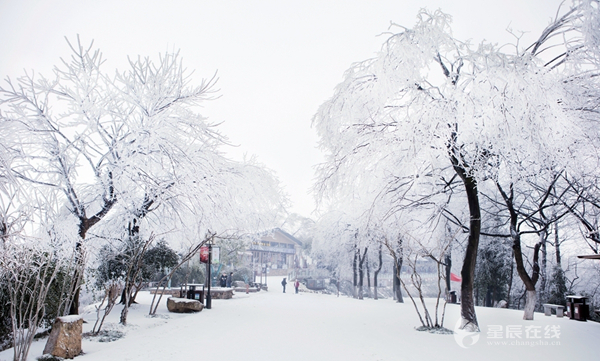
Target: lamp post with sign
(208, 266)
(206, 256)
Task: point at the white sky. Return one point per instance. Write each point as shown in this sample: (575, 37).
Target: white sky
(277, 61)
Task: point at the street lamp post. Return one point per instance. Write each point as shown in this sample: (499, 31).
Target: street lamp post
(208, 266)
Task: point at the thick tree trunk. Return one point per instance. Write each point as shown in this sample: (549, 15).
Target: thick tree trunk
(355, 273)
(361, 273)
(448, 269)
(79, 259)
(398, 260)
(542, 295)
(394, 283)
(557, 245)
(85, 224)
(133, 231)
(125, 311)
(530, 299)
(368, 277)
(488, 298)
(529, 282)
(510, 282)
(376, 272)
(397, 284)
(360, 283)
(467, 305)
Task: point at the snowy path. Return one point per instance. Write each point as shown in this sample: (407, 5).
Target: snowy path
(276, 326)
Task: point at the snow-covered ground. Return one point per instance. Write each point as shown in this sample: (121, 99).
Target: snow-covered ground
(276, 326)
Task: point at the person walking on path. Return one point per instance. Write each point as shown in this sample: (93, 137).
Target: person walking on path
(229, 279)
(283, 283)
(296, 285)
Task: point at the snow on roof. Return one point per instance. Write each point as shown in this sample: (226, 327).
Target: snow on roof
(280, 235)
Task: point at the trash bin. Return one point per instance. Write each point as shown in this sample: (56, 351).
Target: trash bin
(195, 292)
(581, 312)
(577, 309)
(452, 297)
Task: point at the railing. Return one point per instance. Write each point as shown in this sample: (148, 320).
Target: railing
(302, 273)
(256, 247)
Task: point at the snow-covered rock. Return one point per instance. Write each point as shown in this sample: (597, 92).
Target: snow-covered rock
(183, 305)
(65, 337)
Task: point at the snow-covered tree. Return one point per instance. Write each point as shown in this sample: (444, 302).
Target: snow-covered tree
(428, 103)
(121, 147)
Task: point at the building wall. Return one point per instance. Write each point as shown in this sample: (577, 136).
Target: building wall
(275, 251)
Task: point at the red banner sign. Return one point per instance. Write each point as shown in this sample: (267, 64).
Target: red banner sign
(204, 254)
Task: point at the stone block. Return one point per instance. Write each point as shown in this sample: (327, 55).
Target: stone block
(65, 338)
(221, 293)
(239, 284)
(183, 305)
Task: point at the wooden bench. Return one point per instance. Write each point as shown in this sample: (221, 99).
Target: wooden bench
(560, 309)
